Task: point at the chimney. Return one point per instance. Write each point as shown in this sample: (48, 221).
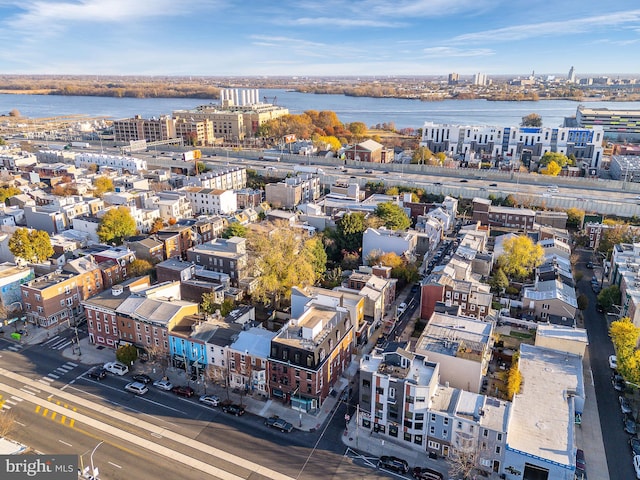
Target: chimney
(117, 290)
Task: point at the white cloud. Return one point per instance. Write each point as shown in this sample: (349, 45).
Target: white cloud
(438, 52)
(344, 22)
(555, 28)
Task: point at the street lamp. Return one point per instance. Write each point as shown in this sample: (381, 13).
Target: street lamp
(94, 471)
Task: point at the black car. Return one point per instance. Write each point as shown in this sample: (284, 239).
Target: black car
(634, 442)
(395, 464)
(97, 373)
(423, 473)
(493, 184)
(142, 378)
(629, 425)
(233, 409)
(183, 391)
(589, 265)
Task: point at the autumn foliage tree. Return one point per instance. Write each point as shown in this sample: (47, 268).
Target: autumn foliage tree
(102, 185)
(521, 256)
(116, 225)
(552, 169)
(624, 335)
(31, 245)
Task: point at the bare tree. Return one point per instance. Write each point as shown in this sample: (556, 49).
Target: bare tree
(157, 355)
(462, 463)
(7, 423)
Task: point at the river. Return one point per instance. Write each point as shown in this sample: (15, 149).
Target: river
(403, 113)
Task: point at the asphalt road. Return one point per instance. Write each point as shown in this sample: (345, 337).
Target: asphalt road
(619, 456)
(302, 455)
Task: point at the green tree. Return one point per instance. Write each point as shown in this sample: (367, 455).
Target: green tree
(235, 229)
(531, 120)
(615, 234)
(499, 280)
(332, 278)
(2, 141)
(583, 302)
(521, 256)
(281, 262)
(552, 169)
(350, 229)
(421, 155)
(20, 245)
(208, 303)
(139, 267)
(7, 192)
(127, 354)
(393, 216)
(116, 225)
(608, 297)
(317, 256)
(575, 217)
(102, 185)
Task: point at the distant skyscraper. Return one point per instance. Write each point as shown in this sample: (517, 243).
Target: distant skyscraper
(571, 78)
(453, 78)
(480, 79)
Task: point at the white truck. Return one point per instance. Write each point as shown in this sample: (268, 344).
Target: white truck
(80, 145)
(308, 169)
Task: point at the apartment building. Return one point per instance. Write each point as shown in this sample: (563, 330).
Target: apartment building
(211, 201)
(615, 123)
(195, 131)
(228, 256)
(11, 277)
(293, 191)
(171, 205)
(496, 216)
(248, 358)
(149, 129)
(308, 355)
(115, 162)
(376, 241)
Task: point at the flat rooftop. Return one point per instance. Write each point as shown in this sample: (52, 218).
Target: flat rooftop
(542, 415)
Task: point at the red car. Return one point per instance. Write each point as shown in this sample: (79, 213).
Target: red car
(183, 391)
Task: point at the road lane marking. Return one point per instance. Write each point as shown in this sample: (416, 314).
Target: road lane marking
(51, 340)
(53, 415)
(65, 443)
(45, 412)
(51, 375)
(38, 407)
(115, 465)
(72, 422)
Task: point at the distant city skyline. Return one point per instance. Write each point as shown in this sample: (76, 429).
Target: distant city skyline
(302, 38)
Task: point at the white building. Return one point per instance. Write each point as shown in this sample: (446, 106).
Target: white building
(381, 240)
(211, 201)
(116, 162)
(509, 142)
(171, 205)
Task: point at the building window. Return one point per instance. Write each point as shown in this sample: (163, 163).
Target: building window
(393, 431)
(407, 437)
(432, 430)
(417, 439)
(445, 433)
(499, 437)
(446, 421)
(498, 450)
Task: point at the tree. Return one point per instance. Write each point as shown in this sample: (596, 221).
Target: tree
(139, 267)
(127, 354)
(92, 168)
(575, 217)
(7, 192)
(281, 261)
(15, 113)
(31, 245)
(463, 462)
(521, 256)
(317, 256)
(349, 230)
(157, 225)
(358, 129)
(552, 169)
(421, 155)
(393, 216)
(332, 278)
(624, 335)
(583, 302)
(531, 120)
(7, 423)
(608, 297)
(514, 381)
(560, 158)
(499, 280)
(102, 185)
(614, 235)
(116, 225)
(235, 229)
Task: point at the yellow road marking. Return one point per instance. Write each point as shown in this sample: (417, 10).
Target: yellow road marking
(72, 422)
(63, 419)
(44, 412)
(53, 415)
(38, 407)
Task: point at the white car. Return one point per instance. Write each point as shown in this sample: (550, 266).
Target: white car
(210, 400)
(136, 387)
(636, 465)
(116, 368)
(401, 308)
(613, 362)
(163, 385)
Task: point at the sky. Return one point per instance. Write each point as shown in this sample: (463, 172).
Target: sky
(319, 37)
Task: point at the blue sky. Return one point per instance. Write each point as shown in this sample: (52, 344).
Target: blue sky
(320, 37)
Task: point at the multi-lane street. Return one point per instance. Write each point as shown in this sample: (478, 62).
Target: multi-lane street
(59, 409)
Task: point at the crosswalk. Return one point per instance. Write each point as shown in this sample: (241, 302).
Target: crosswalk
(15, 347)
(57, 373)
(8, 403)
(57, 343)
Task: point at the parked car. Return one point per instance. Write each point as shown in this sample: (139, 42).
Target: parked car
(97, 373)
(393, 463)
(625, 406)
(493, 184)
(233, 409)
(580, 461)
(589, 265)
(142, 378)
(629, 425)
(613, 362)
(210, 400)
(423, 473)
(279, 424)
(401, 308)
(619, 385)
(636, 465)
(116, 368)
(634, 443)
(163, 384)
(183, 391)
(136, 387)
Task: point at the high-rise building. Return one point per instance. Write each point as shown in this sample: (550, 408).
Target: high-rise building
(454, 78)
(571, 77)
(480, 79)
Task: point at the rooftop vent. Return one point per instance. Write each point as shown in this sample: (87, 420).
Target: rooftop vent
(117, 290)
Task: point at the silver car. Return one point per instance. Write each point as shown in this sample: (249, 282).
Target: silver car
(163, 385)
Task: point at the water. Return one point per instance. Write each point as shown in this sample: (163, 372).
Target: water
(371, 111)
